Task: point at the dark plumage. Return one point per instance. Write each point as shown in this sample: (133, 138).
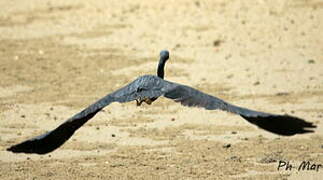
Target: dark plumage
(148, 88)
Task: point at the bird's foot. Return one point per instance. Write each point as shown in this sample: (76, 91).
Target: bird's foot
(148, 101)
(139, 102)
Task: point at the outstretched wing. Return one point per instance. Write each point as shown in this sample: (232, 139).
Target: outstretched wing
(278, 124)
(51, 140)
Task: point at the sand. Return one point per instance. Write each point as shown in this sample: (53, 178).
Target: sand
(57, 57)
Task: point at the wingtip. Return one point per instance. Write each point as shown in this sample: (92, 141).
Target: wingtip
(10, 149)
(24, 148)
(284, 125)
(15, 149)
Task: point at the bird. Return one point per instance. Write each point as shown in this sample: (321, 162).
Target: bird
(148, 88)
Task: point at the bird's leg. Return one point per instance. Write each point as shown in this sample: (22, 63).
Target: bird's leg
(138, 102)
(148, 101)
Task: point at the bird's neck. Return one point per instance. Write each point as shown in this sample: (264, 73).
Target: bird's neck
(160, 69)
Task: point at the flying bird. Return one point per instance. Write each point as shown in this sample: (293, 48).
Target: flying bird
(147, 89)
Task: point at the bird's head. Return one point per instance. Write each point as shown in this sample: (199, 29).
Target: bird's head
(164, 55)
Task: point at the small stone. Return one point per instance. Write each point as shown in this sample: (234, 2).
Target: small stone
(235, 158)
(226, 146)
(311, 61)
(23, 116)
(267, 160)
(173, 119)
(217, 43)
(113, 135)
(256, 83)
(282, 94)
(234, 132)
(229, 76)
(197, 4)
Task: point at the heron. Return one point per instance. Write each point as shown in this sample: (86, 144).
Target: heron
(148, 88)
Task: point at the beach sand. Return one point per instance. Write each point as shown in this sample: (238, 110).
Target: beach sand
(58, 57)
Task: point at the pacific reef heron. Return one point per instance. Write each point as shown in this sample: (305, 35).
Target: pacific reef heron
(147, 89)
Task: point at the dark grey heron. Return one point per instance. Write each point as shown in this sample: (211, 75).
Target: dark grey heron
(148, 88)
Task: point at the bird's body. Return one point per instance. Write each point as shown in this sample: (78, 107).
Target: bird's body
(147, 89)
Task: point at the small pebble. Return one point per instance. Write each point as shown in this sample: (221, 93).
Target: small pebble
(235, 158)
(226, 146)
(113, 135)
(217, 43)
(282, 94)
(311, 61)
(229, 76)
(256, 83)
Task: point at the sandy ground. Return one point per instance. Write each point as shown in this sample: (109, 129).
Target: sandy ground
(57, 57)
